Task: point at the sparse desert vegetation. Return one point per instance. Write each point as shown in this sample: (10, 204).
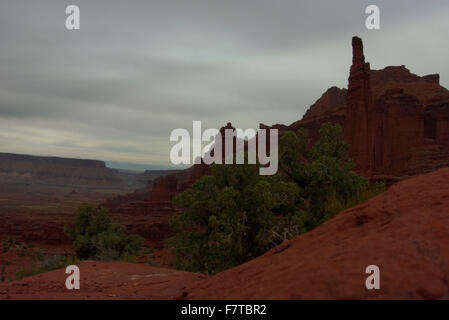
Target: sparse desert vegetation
(235, 214)
(94, 237)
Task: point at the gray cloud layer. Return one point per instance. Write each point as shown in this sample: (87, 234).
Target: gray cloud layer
(136, 70)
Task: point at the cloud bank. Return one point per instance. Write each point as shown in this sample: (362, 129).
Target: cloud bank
(136, 70)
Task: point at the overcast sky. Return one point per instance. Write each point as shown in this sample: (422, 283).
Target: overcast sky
(136, 70)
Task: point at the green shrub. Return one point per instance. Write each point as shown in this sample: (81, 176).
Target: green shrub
(335, 204)
(322, 171)
(235, 214)
(95, 237)
(228, 218)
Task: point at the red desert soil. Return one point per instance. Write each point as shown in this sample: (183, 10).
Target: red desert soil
(404, 231)
(104, 280)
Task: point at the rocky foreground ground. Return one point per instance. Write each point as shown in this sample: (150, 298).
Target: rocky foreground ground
(404, 231)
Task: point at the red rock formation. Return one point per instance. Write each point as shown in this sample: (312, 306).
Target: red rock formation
(359, 109)
(409, 113)
(396, 123)
(397, 128)
(334, 99)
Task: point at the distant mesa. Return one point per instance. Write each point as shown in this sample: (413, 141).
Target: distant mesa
(55, 170)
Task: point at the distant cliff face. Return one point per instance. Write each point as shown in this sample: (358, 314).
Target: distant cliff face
(53, 170)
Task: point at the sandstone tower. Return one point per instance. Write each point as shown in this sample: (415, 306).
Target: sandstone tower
(396, 122)
(359, 109)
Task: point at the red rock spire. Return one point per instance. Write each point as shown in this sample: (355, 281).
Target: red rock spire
(359, 108)
(358, 59)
